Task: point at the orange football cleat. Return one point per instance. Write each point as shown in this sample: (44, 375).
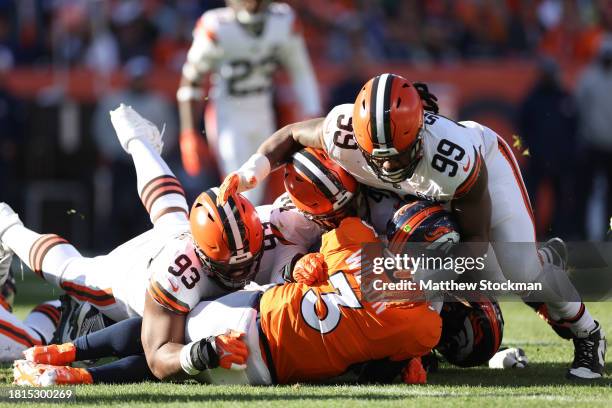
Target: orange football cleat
(41, 375)
(54, 354)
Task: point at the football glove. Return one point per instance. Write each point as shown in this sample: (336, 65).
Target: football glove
(311, 269)
(414, 373)
(226, 350)
(509, 358)
(245, 178)
(193, 151)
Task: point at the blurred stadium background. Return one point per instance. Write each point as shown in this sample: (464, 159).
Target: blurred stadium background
(538, 72)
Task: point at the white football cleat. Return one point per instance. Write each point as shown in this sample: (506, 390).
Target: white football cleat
(513, 357)
(8, 218)
(6, 257)
(130, 125)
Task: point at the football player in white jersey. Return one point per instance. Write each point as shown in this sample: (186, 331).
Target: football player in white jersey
(241, 46)
(36, 329)
(393, 138)
(320, 193)
(170, 268)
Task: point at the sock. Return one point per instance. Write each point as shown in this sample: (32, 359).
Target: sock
(119, 340)
(127, 370)
(37, 251)
(44, 319)
(158, 189)
(580, 321)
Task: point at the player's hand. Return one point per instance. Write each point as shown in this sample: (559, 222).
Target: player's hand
(513, 357)
(232, 350)
(245, 178)
(414, 373)
(193, 151)
(311, 269)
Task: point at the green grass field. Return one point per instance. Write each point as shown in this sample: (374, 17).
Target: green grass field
(541, 384)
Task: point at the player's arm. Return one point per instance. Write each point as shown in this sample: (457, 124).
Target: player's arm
(473, 210)
(294, 57)
(162, 340)
(275, 151)
(201, 59)
(160, 191)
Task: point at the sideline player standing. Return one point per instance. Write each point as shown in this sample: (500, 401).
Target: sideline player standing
(393, 138)
(241, 46)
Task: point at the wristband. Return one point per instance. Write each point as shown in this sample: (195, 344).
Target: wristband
(185, 358)
(257, 165)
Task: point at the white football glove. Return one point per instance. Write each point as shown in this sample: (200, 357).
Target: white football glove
(130, 125)
(512, 357)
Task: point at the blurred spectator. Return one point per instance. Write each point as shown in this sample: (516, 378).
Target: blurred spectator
(547, 123)
(11, 136)
(127, 217)
(594, 99)
(136, 35)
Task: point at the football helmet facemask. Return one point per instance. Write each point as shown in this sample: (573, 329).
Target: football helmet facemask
(388, 122)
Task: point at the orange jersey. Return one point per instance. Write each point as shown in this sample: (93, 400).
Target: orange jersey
(318, 332)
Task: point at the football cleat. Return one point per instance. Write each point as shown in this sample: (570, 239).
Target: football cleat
(6, 257)
(554, 251)
(31, 374)
(589, 356)
(130, 125)
(8, 218)
(77, 319)
(54, 354)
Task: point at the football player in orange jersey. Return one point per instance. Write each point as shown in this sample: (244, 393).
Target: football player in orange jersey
(394, 138)
(331, 323)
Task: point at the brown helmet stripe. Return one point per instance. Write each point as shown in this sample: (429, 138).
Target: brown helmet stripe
(387, 110)
(373, 111)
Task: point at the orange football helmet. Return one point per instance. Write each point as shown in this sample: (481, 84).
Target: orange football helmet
(228, 238)
(387, 121)
(322, 190)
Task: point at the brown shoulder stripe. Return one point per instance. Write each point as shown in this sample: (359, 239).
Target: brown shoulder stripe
(469, 182)
(166, 299)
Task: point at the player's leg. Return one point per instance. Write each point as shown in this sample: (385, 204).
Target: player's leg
(119, 340)
(238, 137)
(58, 262)
(44, 319)
(234, 311)
(159, 190)
(513, 235)
(16, 336)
